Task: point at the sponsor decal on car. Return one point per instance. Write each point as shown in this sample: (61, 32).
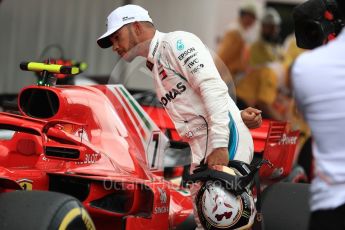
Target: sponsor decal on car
(89, 159)
(161, 210)
(163, 201)
(162, 196)
(287, 140)
(26, 184)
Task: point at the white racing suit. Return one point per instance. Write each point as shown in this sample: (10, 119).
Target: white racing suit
(191, 90)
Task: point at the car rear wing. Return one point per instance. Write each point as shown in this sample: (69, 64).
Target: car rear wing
(278, 146)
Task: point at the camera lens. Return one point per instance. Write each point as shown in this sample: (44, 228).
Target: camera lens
(309, 34)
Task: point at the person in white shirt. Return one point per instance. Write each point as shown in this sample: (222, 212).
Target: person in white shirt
(187, 84)
(318, 79)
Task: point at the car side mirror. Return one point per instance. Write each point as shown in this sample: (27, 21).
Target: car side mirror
(69, 152)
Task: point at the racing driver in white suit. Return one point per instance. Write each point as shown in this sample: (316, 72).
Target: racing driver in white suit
(188, 85)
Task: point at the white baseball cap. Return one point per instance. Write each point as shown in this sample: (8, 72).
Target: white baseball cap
(119, 17)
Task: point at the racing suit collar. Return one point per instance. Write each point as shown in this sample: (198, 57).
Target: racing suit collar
(154, 47)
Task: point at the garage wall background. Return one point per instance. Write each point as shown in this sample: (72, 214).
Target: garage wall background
(27, 27)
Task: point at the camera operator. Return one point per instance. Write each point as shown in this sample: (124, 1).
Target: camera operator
(318, 79)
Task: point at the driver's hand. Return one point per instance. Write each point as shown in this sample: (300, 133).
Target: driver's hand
(251, 117)
(219, 156)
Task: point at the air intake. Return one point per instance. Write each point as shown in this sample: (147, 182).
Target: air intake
(62, 152)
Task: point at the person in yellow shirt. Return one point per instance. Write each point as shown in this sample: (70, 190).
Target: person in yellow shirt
(233, 48)
(291, 51)
(267, 49)
(259, 87)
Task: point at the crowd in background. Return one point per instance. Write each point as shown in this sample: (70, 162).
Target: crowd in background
(260, 67)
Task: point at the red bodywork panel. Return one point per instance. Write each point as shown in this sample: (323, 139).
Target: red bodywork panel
(273, 141)
(97, 144)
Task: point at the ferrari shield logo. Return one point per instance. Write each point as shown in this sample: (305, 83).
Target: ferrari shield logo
(25, 184)
(162, 196)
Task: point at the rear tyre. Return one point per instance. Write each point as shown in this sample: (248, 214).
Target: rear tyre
(285, 206)
(42, 210)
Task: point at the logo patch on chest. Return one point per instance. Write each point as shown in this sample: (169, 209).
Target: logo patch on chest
(173, 93)
(179, 45)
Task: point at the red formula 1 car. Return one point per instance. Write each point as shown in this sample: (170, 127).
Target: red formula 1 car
(94, 143)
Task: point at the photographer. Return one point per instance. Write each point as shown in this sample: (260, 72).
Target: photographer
(318, 79)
